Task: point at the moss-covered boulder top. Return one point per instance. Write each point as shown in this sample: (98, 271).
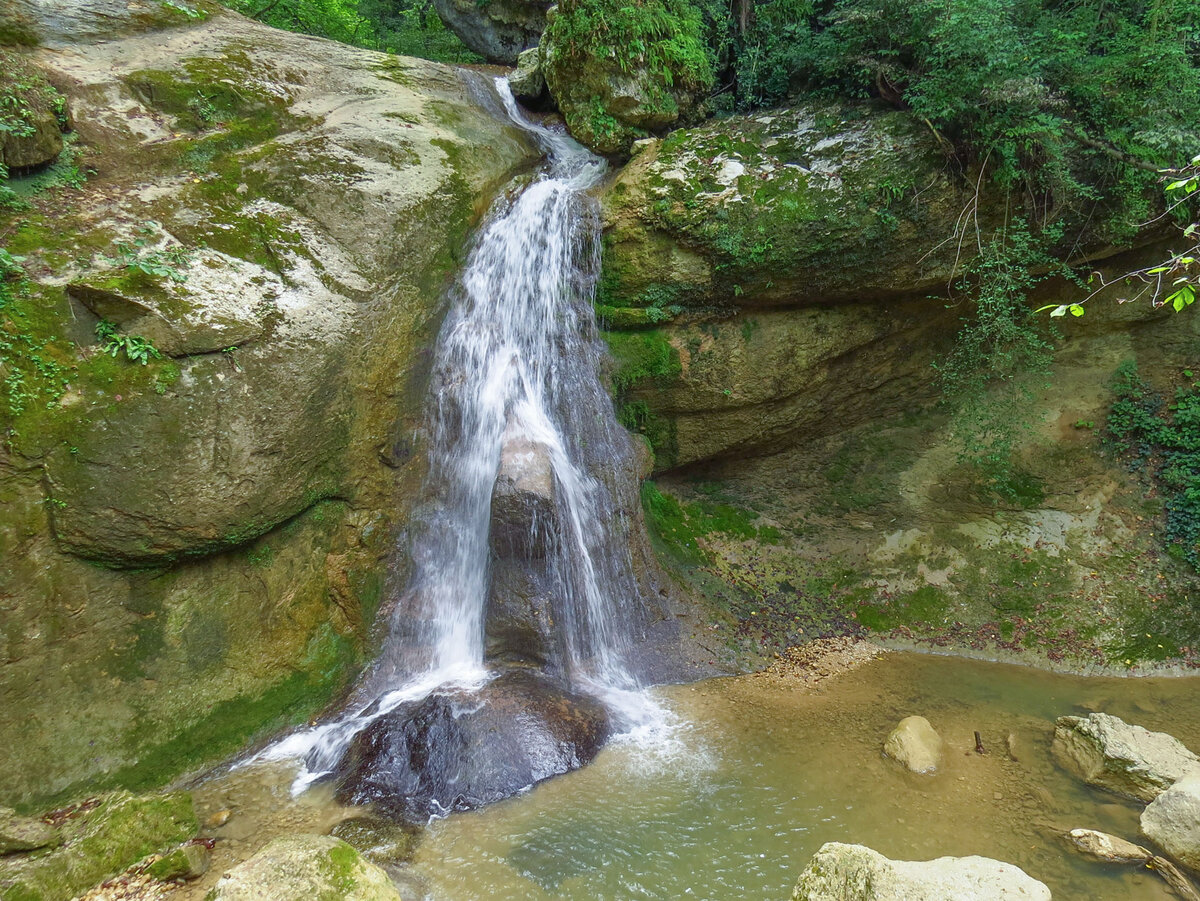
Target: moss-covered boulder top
(213, 334)
(813, 203)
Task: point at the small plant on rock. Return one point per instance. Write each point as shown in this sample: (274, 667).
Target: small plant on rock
(136, 348)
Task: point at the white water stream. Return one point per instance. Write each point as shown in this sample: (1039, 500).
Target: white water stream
(518, 357)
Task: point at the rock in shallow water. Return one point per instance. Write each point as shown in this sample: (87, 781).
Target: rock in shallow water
(1172, 821)
(456, 750)
(915, 744)
(1108, 752)
(306, 868)
(841, 872)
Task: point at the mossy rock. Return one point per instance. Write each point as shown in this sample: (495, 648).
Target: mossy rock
(305, 868)
(101, 837)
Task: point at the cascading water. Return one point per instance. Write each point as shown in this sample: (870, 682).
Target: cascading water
(520, 422)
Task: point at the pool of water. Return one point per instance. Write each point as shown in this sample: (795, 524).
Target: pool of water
(761, 772)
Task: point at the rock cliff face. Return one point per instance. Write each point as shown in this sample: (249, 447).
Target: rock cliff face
(776, 290)
(194, 548)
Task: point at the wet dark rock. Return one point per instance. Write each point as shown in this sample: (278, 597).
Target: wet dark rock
(524, 523)
(457, 751)
(499, 29)
(519, 619)
(527, 83)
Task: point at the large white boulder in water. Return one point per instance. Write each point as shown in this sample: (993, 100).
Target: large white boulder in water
(841, 872)
(1108, 752)
(915, 744)
(1172, 821)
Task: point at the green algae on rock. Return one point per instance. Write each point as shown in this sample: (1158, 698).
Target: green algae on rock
(101, 837)
(306, 868)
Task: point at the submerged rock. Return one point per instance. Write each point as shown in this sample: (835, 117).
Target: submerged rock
(1172, 821)
(915, 744)
(101, 837)
(306, 868)
(1109, 753)
(188, 861)
(840, 872)
(379, 840)
(458, 750)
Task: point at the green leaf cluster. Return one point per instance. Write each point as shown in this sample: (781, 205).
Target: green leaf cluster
(662, 38)
(135, 348)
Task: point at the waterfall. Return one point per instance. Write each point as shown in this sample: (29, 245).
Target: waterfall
(519, 421)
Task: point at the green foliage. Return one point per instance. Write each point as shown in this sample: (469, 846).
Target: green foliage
(30, 372)
(679, 526)
(393, 26)
(25, 95)
(139, 256)
(659, 37)
(1162, 440)
(135, 348)
(998, 360)
(1075, 104)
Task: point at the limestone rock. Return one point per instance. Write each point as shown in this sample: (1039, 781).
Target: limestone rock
(39, 148)
(1172, 821)
(303, 868)
(523, 516)
(1107, 752)
(1107, 848)
(324, 206)
(498, 29)
(527, 83)
(19, 833)
(915, 744)
(101, 837)
(840, 872)
(456, 750)
(78, 21)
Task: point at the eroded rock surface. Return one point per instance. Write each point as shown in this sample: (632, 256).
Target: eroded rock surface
(1107, 752)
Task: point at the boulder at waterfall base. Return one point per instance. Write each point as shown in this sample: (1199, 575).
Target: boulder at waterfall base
(1109, 753)
(456, 750)
(840, 872)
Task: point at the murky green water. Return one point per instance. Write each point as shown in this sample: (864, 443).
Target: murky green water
(766, 773)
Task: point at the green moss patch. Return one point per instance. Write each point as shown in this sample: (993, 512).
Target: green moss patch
(102, 837)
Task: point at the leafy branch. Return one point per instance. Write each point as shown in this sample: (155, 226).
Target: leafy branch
(1174, 281)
